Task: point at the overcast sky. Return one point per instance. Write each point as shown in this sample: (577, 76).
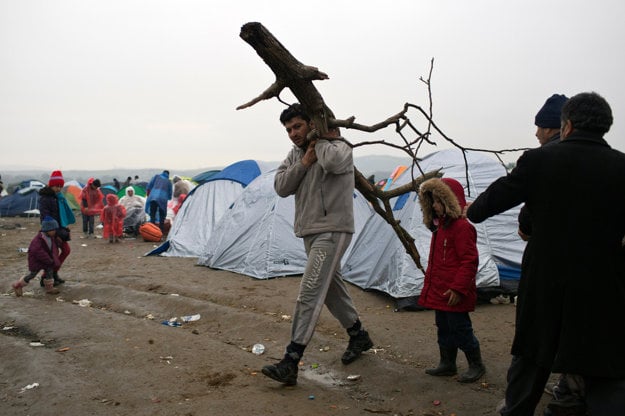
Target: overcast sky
(154, 84)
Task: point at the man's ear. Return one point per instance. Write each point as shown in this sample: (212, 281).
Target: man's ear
(566, 129)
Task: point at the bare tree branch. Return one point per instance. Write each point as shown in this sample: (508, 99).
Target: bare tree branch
(297, 77)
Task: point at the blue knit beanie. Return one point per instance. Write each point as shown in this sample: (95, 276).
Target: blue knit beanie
(49, 224)
(549, 115)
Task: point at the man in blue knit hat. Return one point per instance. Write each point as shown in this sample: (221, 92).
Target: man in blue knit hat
(547, 120)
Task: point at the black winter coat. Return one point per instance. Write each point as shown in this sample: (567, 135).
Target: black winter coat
(48, 204)
(571, 304)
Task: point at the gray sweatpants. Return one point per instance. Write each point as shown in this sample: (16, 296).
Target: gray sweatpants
(321, 284)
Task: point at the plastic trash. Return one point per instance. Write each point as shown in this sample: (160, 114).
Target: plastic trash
(172, 322)
(190, 318)
(258, 349)
(85, 303)
(28, 387)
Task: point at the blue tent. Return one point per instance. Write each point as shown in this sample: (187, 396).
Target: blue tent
(200, 178)
(23, 202)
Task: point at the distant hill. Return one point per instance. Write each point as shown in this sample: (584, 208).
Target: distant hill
(379, 166)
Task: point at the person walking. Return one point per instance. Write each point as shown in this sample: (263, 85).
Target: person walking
(320, 173)
(572, 292)
(52, 203)
(43, 254)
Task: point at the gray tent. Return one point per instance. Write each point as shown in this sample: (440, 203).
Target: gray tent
(379, 261)
(255, 236)
(201, 211)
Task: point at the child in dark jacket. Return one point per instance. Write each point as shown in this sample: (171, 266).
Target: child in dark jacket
(43, 254)
(52, 203)
(449, 286)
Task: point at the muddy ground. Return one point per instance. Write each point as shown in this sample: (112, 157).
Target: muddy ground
(106, 351)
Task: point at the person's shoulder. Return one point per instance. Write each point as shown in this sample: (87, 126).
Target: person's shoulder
(47, 191)
(462, 224)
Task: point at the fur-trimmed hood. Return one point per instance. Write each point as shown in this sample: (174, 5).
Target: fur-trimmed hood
(451, 194)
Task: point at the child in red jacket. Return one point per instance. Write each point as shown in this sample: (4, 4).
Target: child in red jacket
(112, 218)
(43, 254)
(449, 286)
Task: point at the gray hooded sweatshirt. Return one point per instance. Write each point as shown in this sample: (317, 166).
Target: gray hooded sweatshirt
(324, 192)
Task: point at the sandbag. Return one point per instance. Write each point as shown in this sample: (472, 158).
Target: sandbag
(150, 232)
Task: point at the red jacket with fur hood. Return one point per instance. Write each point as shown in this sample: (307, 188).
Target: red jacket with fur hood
(453, 258)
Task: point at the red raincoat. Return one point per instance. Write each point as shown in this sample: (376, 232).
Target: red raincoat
(94, 198)
(112, 217)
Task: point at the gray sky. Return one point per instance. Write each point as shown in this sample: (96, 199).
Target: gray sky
(154, 84)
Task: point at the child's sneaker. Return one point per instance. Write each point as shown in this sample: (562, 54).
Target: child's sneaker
(18, 285)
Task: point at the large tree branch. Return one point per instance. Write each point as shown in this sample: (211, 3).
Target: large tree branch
(292, 74)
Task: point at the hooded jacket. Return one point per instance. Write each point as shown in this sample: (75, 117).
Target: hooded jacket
(94, 199)
(324, 192)
(43, 253)
(159, 190)
(112, 217)
(453, 259)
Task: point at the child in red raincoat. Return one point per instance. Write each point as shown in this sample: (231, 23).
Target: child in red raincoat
(43, 254)
(91, 204)
(112, 219)
(449, 286)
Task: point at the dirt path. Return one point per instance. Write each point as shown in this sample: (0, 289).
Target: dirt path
(116, 357)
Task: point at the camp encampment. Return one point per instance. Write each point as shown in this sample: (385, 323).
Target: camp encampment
(244, 227)
(204, 207)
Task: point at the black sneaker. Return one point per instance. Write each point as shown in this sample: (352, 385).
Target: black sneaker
(357, 345)
(285, 372)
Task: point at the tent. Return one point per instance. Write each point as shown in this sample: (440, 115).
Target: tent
(204, 206)
(200, 178)
(72, 190)
(379, 261)
(139, 191)
(24, 201)
(255, 236)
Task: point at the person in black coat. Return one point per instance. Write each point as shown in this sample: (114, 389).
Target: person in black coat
(571, 301)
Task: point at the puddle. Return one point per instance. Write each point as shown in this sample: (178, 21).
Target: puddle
(327, 378)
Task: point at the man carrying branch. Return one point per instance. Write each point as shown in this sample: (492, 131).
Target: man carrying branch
(320, 173)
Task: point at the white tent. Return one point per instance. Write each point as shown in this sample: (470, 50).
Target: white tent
(255, 236)
(379, 261)
(204, 206)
